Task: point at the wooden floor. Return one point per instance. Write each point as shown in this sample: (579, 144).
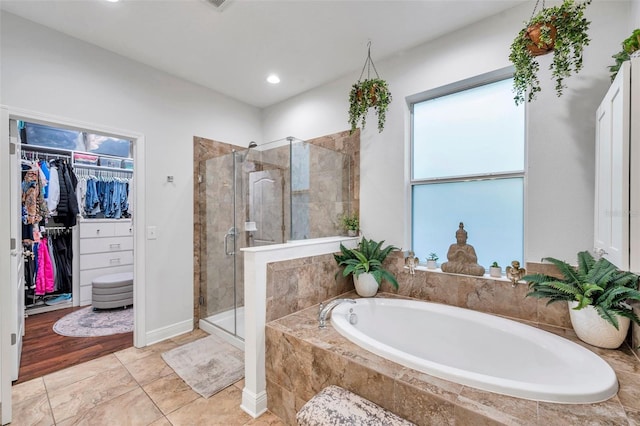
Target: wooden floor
(44, 351)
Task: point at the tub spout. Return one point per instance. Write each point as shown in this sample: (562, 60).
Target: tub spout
(326, 309)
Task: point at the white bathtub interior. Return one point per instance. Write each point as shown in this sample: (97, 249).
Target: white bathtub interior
(479, 350)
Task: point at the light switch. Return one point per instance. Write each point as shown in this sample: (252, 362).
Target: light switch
(152, 232)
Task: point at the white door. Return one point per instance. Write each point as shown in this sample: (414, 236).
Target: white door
(611, 213)
(17, 262)
(6, 260)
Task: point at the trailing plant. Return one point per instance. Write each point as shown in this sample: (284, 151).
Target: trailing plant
(350, 222)
(563, 29)
(367, 257)
(368, 93)
(598, 283)
(629, 45)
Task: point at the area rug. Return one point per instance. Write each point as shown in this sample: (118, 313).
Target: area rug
(89, 323)
(208, 365)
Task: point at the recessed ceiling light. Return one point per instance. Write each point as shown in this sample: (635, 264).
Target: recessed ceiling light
(113, 1)
(273, 79)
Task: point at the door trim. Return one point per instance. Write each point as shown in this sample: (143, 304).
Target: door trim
(139, 222)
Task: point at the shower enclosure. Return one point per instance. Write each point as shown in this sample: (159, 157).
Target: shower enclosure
(268, 194)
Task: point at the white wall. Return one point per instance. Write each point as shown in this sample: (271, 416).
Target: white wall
(50, 73)
(560, 134)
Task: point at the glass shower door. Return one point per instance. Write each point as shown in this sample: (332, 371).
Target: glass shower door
(221, 274)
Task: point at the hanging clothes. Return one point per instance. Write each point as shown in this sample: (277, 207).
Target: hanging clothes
(44, 273)
(33, 195)
(68, 204)
(106, 196)
(63, 256)
(53, 193)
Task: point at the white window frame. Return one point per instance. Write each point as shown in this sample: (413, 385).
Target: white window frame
(460, 86)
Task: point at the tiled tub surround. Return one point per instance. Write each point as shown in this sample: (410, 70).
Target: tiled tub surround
(301, 360)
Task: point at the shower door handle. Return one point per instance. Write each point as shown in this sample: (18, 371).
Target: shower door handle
(230, 233)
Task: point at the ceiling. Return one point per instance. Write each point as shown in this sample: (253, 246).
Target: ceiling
(232, 49)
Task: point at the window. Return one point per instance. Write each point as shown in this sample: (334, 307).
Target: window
(468, 166)
(72, 140)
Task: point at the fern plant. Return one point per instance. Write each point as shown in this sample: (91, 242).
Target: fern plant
(598, 283)
(367, 257)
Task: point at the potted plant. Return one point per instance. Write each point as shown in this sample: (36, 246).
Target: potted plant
(351, 224)
(561, 29)
(365, 264)
(369, 93)
(629, 45)
(596, 292)
(495, 270)
(432, 261)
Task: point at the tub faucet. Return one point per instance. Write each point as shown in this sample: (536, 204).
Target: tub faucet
(326, 309)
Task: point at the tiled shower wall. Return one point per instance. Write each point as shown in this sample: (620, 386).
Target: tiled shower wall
(323, 194)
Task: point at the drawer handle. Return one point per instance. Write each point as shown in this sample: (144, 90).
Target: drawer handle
(97, 231)
(114, 246)
(114, 261)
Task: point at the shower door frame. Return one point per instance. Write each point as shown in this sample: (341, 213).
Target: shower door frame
(230, 246)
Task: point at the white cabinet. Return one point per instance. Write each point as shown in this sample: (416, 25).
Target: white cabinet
(106, 247)
(617, 184)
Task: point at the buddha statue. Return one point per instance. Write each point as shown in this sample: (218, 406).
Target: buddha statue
(461, 257)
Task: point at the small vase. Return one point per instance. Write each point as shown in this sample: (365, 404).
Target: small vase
(366, 285)
(432, 264)
(495, 272)
(594, 330)
(352, 232)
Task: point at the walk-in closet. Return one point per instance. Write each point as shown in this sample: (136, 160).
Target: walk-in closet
(74, 205)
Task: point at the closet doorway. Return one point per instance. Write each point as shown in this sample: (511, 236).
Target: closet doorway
(11, 295)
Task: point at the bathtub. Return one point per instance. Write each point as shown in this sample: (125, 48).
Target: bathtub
(476, 349)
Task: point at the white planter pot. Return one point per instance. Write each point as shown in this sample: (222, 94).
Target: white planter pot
(352, 232)
(594, 330)
(495, 272)
(366, 285)
(432, 264)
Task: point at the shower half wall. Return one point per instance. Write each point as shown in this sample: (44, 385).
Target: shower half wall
(278, 191)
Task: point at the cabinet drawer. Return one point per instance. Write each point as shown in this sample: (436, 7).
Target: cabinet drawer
(99, 229)
(106, 260)
(102, 245)
(124, 228)
(87, 277)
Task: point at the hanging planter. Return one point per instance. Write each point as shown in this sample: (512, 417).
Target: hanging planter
(368, 93)
(559, 29)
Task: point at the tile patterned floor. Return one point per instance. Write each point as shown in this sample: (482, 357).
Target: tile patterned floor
(130, 387)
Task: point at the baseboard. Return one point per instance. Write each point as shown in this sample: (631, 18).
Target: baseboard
(170, 331)
(252, 404)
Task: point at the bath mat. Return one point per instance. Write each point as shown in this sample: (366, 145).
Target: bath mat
(87, 323)
(208, 365)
